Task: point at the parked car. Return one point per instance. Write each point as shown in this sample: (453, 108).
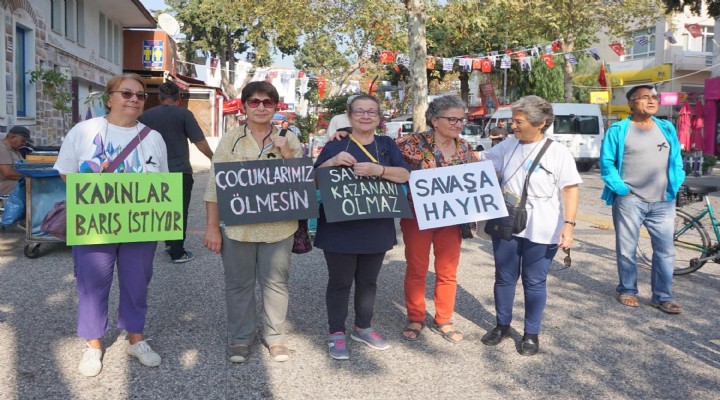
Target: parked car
(476, 137)
(396, 129)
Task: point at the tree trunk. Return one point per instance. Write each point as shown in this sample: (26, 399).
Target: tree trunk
(568, 46)
(418, 52)
(464, 86)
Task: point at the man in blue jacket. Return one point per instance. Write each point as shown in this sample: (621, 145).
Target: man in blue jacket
(642, 168)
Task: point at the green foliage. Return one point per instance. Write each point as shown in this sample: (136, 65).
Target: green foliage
(307, 125)
(543, 81)
(335, 105)
(55, 85)
(694, 6)
(320, 52)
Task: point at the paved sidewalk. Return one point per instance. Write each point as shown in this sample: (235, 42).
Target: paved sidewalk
(591, 346)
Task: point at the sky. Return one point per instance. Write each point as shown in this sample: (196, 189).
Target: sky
(278, 60)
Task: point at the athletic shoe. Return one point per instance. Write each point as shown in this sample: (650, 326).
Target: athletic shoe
(91, 362)
(188, 256)
(337, 346)
(370, 337)
(239, 353)
(142, 351)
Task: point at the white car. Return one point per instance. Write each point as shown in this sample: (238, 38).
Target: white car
(475, 136)
(396, 129)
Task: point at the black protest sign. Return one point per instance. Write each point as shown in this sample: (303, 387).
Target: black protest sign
(251, 192)
(347, 196)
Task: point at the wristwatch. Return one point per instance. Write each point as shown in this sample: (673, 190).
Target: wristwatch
(570, 222)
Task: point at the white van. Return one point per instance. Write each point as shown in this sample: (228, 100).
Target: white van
(578, 126)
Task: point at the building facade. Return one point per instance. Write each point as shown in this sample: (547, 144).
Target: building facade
(81, 40)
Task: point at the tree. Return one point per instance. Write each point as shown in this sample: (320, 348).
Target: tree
(576, 23)
(226, 29)
(695, 6)
(416, 20)
(542, 81)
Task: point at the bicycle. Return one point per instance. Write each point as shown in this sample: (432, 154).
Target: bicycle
(693, 246)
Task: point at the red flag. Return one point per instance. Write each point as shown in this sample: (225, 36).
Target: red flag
(387, 56)
(362, 70)
(430, 62)
(301, 74)
(321, 87)
(476, 63)
(556, 46)
(694, 29)
(549, 60)
(486, 66)
(602, 79)
(618, 48)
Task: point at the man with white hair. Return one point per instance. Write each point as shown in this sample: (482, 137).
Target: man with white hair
(339, 121)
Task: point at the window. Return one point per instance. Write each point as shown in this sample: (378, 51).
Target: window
(81, 22)
(70, 22)
(643, 45)
(103, 40)
(582, 124)
(24, 57)
(56, 15)
(116, 45)
(109, 44)
(702, 43)
(3, 101)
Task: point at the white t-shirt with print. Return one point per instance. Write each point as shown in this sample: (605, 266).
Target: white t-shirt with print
(91, 143)
(555, 171)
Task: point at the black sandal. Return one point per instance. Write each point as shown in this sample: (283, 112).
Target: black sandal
(437, 328)
(414, 331)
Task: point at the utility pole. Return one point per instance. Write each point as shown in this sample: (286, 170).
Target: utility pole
(505, 70)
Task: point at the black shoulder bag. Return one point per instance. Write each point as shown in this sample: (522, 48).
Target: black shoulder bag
(516, 221)
(301, 239)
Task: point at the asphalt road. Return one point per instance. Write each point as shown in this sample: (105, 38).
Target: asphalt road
(591, 346)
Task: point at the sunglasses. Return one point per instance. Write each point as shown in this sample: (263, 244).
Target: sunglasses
(567, 260)
(128, 94)
(255, 103)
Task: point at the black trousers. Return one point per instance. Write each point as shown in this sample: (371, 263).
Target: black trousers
(343, 269)
(177, 247)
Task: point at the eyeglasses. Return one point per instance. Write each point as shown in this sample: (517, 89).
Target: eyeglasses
(647, 97)
(359, 112)
(454, 121)
(128, 94)
(255, 103)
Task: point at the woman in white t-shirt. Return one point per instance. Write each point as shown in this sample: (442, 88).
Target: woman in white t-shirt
(90, 147)
(551, 206)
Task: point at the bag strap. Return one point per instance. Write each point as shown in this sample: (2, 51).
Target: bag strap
(535, 163)
(112, 166)
(367, 153)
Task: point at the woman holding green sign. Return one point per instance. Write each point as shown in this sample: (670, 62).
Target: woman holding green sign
(255, 251)
(112, 144)
(354, 250)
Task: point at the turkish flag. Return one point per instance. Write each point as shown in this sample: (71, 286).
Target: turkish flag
(387, 56)
(618, 48)
(476, 63)
(549, 60)
(430, 62)
(321, 87)
(556, 46)
(486, 66)
(602, 79)
(694, 29)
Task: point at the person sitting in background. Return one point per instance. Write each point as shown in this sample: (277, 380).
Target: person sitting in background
(10, 146)
(339, 122)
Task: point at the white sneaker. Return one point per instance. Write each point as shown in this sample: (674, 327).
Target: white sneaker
(142, 351)
(91, 362)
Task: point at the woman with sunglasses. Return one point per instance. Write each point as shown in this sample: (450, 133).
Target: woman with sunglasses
(90, 147)
(440, 146)
(552, 199)
(354, 250)
(257, 251)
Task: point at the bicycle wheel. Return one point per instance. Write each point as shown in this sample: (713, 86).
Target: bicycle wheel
(691, 242)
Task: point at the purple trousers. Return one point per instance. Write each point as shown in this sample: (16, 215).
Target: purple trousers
(94, 267)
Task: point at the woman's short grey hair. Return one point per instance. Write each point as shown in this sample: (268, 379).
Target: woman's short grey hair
(537, 110)
(441, 104)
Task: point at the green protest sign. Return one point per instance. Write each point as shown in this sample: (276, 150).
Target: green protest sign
(122, 208)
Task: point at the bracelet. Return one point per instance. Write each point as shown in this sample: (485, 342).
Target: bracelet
(570, 223)
(383, 171)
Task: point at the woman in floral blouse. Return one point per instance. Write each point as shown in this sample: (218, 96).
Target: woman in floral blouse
(438, 147)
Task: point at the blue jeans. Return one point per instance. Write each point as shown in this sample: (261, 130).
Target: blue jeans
(629, 212)
(515, 258)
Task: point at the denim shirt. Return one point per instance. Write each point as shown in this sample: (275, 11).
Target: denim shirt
(611, 159)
